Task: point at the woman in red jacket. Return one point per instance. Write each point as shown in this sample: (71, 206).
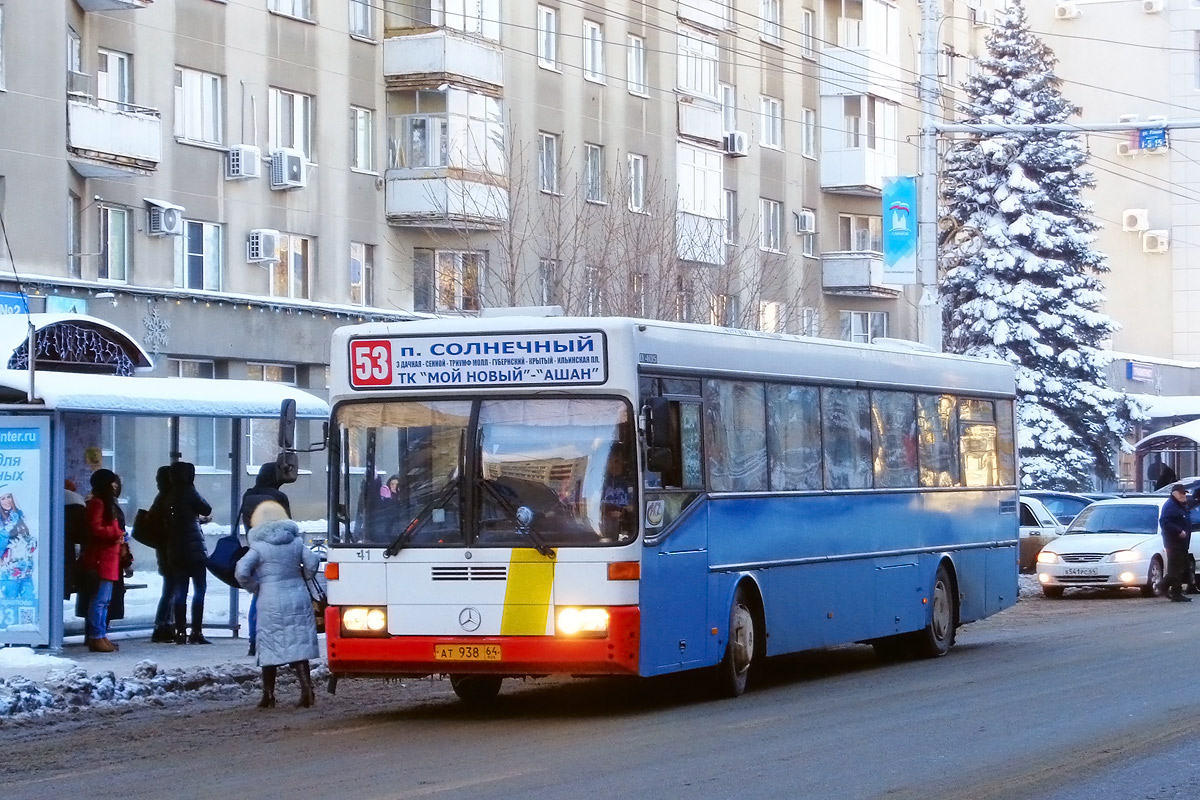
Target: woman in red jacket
(101, 556)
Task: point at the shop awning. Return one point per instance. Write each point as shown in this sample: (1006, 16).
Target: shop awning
(1187, 433)
(70, 342)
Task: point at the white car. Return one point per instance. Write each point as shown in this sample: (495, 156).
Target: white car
(1112, 544)
(1038, 526)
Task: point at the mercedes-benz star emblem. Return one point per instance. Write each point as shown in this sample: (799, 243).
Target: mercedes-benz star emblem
(469, 619)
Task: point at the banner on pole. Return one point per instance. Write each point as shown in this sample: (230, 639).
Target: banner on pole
(900, 229)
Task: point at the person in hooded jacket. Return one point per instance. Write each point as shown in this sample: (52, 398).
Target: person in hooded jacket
(186, 553)
(275, 570)
(101, 557)
(164, 615)
(75, 536)
(266, 487)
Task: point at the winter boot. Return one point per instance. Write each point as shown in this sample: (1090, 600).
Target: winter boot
(101, 646)
(162, 634)
(197, 636)
(253, 649)
(180, 623)
(268, 679)
(304, 675)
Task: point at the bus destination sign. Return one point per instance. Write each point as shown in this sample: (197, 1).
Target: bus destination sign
(558, 358)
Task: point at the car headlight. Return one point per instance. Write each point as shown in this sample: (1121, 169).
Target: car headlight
(1124, 556)
(368, 619)
(1047, 557)
(582, 621)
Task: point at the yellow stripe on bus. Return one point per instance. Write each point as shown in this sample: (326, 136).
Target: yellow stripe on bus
(527, 598)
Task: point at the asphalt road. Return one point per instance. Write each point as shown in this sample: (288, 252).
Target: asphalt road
(1085, 697)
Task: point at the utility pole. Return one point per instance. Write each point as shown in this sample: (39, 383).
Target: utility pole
(929, 309)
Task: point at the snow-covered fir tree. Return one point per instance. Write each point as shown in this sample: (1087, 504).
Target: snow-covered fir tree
(1020, 278)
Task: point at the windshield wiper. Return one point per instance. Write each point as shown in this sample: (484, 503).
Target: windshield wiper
(523, 517)
(437, 502)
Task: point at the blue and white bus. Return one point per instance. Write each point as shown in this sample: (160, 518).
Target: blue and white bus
(516, 496)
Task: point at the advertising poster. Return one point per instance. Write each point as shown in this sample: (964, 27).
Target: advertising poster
(900, 230)
(24, 530)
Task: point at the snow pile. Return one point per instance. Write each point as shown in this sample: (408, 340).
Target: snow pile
(73, 689)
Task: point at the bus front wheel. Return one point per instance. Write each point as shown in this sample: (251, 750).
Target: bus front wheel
(938, 636)
(476, 690)
(734, 670)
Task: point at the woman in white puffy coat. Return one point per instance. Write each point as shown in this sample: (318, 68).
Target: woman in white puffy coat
(275, 569)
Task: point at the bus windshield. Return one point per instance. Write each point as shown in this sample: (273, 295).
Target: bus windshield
(500, 472)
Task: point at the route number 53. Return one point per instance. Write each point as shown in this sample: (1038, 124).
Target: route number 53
(370, 362)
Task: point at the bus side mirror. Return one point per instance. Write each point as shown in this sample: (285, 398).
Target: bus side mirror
(659, 459)
(287, 425)
(658, 422)
(287, 466)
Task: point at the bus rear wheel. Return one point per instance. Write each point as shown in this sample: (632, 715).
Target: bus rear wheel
(733, 673)
(938, 635)
(476, 690)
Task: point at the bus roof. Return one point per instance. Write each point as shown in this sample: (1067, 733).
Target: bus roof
(684, 348)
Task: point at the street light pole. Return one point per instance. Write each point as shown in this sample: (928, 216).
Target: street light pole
(929, 309)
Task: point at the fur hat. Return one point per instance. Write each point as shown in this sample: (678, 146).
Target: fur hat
(267, 511)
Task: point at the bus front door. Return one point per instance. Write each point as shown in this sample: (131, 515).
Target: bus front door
(674, 598)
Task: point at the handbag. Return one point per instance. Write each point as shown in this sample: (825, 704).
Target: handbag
(147, 529)
(224, 558)
(319, 601)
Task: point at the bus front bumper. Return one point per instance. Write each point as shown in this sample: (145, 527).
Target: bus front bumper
(406, 656)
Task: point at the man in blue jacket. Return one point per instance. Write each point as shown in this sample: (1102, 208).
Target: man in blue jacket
(1177, 538)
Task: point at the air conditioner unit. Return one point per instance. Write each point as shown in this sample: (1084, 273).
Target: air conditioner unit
(1127, 118)
(289, 169)
(1152, 6)
(806, 221)
(1156, 119)
(166, 219)
(979, 17)
(1156, 241)
(262, 246)
(243, 161)
(1135, 219)
(737, 144)
(1067, 10)
(1126, 149)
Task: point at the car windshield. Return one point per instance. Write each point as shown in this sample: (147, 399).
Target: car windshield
(1116, 518)
(505, 473)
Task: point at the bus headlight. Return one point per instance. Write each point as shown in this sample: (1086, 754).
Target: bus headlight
(582, 621)
(359, 619)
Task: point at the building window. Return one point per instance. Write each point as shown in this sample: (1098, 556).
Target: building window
(593, 292)
(810, 322)
(74, 237)
(770, 121)
(808, 133)
(637, 182)
(290, 275)
(697, 63)
(362, 274)
(547, 37)
(198, 116)
(289, 121)
(807, 228)
(262, 436)
(869, 122)
(769, 21)
(114, 87)
(362, 132)
(683, 299)
(860, 233)
(725, 310)
(863, 326)
(593, 173)
(480, 17)
(197, 435)
(699, 177)
(198, 256)
(636, 65)
(730, 217)
(114, 244)
(459, 280)
(852, 121)
(549, 281)
(728, 107)
(300, 9)
(548, 162)
(74, 51)
(271, 373)
(361, 19)
(770, 230)
(808, 36)
(1, 47)
(593, 51)
(772, 316)
(638, 287)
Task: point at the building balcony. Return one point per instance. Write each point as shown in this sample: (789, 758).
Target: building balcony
(700, 119)
(113, 5)
(857, 274)
(709, 13)
(859, 70)
(700, 240)
(109, 140)
(856, 171)
(441, 199)
(429, 59)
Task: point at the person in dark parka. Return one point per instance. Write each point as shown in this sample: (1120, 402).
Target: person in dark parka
(164, 616)
(275, 569)
(266, 487)
(1176, 531)
(186, 553)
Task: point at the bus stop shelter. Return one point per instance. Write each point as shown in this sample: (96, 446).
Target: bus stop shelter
(1177, 446)
(85, 368)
